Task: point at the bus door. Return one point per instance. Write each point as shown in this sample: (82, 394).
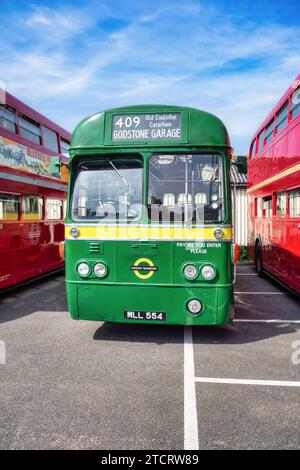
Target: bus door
(53, 230)
(32, 231)
(10, 239)
(293, 237)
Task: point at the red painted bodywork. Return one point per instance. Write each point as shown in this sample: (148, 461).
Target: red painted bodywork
(279, 237)
(29, 248)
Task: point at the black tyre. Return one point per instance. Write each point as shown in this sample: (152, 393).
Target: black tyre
(258, 260)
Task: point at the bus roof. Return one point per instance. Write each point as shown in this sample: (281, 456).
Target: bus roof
(199, 128)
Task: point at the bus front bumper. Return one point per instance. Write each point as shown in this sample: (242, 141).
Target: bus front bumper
(149, 304)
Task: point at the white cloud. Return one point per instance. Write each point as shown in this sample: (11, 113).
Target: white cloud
(39, 19)
(68, 66)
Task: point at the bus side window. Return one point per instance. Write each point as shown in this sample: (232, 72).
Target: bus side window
(269, 131)
(8, 119)
(9, 207)
(258, 207)
(252, 149)
(53, 209)
(282, 117)
(50, 139)
(30, 129)
(32, 208)
(65, 146)
(261, 139)
(295, 103)
(64, 211)
(267, 206)
(294, 202)
(281, 204)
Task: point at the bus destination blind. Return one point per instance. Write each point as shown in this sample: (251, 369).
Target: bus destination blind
(145, 127)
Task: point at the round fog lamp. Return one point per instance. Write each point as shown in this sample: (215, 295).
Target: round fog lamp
(100, 269)
(83, 269)
(194, 306)
(218, 233)
(190, 271)
(74, 232)
(208, 272)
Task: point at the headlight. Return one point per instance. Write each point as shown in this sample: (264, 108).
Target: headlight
(74, 232)
(83, 269)
(194, 306)
(208, 272)
(218, 233)
(190, 271)
(100, 269)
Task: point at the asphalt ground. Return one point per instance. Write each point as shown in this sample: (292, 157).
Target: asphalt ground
(93, 385)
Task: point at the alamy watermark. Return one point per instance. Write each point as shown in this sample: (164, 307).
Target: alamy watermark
(2, 353)
(296, 353)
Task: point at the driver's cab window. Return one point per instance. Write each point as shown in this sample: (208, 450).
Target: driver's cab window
(109, 189)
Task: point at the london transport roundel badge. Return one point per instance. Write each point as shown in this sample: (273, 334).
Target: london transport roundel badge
(143, 268)
(34, 234)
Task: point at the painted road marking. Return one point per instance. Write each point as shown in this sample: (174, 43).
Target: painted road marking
(261, 293)
(271, 383)
(241, 320)
(246, 274)
(191, 441)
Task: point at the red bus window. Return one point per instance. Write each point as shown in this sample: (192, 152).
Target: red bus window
(269, 131)
(267, 206)
(29, 129)
(50, 139)
(53, 209)
(65, 146)
(252, 149)
(32, 208)
(281, 204)
(8, 118)
(259, 211)
(9, 207)
(260, 141)
(295, 103)
(255, 208)
(294, 202)
(64, 208)
(282, 117)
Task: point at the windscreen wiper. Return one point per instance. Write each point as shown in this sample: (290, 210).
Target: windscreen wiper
(117, 171)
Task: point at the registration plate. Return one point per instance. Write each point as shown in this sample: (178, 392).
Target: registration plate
(139, 315)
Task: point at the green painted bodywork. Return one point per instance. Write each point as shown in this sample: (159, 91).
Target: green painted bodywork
(167, 290)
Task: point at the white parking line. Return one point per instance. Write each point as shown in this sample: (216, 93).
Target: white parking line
(246, 274)
(272, 383)
(261, 293)
(242, 320)
(190, 406)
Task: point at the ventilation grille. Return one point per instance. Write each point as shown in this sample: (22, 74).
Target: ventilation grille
(94, 247)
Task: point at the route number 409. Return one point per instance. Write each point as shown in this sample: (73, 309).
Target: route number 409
(129, 121)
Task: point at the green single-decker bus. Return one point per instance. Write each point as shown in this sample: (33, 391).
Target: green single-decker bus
(148, 233)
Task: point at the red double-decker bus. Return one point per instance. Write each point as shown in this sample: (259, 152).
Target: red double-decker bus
(32, 202)
(274, 192)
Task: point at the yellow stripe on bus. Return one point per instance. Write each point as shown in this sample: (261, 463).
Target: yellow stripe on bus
(147, 232)
(282, 174)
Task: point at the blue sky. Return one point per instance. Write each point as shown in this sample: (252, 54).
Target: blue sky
(69, 58)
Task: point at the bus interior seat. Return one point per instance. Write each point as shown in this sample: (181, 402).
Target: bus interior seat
(182, 199)
(200, 198)
(169, 199)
